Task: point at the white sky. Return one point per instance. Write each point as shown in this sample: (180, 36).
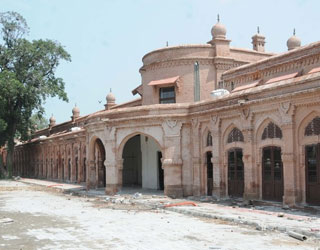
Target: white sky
(108, 38)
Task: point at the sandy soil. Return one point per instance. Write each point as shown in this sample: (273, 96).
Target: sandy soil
(51, 220)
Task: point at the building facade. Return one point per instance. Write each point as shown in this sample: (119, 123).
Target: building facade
(258, 140)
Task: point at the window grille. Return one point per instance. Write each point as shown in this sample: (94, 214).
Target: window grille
(209, 139)
(271, 131)
(167, 95)
(313, 127)
(235, 135)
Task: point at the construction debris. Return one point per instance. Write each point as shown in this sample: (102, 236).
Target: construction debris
(6, 220)
(297, 236)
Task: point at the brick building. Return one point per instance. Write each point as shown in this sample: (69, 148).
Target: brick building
(210, 120)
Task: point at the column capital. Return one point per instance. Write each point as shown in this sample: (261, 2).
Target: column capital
(171, 127)
(171, 162)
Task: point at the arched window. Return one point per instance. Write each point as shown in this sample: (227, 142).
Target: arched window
(271, 131)
(209, 139)
(313, 127)
(235, 135)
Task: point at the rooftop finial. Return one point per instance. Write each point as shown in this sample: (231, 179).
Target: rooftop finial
(294, 31)
(218, 18)
(258, 30)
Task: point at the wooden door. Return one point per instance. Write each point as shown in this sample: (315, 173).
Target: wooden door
(272, 174)
(313, 174)
(235, 173)
(209, 173)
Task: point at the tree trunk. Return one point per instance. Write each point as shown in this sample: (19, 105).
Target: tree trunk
(3, 173)
(10, 156)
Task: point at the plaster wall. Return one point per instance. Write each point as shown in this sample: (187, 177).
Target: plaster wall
(149, 155)
(248, 55)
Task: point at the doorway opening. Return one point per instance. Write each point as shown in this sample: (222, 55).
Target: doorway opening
(272, 174)
(142, 167)
(235, 173)
(99, 158)
(209, 173)
(313, 174)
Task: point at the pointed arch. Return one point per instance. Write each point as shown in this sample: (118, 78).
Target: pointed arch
(263, 124)
(141, 161)
(96, 176)
(271, 131)
(303, 124)
(129, 136)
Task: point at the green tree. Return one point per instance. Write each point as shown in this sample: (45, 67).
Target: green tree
(38, 122)
(27, 78)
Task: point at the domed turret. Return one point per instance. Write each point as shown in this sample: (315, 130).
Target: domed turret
(52, 121)
(75, 112)
(293, 42)
(258, 41)
(218, 30)
(111, 100)
(219, 42)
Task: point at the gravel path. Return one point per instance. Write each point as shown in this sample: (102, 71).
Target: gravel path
(51, 220)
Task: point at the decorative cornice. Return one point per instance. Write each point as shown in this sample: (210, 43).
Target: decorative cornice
(274, 65)
(178, 62)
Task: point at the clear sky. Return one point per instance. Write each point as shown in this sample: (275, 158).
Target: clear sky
(108, 38)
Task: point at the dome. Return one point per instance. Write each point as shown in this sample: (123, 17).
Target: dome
(111, 98)
(293, 42)
(218, 30)
(75, 111)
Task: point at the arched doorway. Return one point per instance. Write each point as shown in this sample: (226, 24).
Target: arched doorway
(209, 173)
(142, 166)
(235, 173)
(99, 158)
(272, 174)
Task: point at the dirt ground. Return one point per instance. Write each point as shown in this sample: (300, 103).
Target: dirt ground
(34, 217)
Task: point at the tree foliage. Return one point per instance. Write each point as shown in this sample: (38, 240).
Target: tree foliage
(27, 78)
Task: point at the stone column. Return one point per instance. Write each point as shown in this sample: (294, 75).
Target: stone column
(287, 112)
(172, 162)
(217, 190)
(251, 188)
(288, 161)
(196, 159)
(91, 174)
(113, 166)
